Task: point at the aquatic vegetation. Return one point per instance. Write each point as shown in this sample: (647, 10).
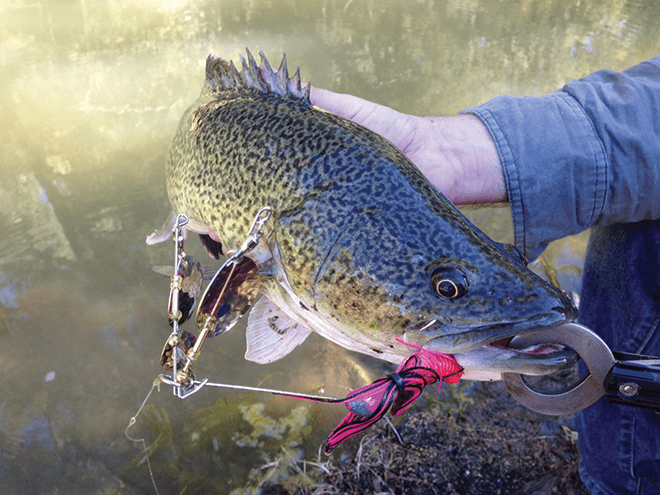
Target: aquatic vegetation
(236, 442)
(288, 431)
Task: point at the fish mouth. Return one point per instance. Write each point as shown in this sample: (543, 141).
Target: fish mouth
(490, 361)
(486, 351)
(453, 336)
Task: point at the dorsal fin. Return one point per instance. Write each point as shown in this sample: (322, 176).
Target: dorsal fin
(222, 76)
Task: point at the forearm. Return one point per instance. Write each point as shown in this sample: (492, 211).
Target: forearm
(463, 145)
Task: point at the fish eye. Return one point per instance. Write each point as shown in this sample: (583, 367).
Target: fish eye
(449, 283)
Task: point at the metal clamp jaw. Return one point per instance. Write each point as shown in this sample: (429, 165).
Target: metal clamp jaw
(589, 346)
(624, 378)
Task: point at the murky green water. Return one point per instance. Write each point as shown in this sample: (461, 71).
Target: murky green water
(90, 93)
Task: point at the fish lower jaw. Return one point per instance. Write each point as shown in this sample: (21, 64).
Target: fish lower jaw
(487, 363)
(481, 375)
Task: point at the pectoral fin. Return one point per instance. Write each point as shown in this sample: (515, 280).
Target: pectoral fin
(271, 334)
(164, 233)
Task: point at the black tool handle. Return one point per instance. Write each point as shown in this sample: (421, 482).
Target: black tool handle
(634, 381)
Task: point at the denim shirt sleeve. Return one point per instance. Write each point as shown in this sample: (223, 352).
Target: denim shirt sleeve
(585, 155)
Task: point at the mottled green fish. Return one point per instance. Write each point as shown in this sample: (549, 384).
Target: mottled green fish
(360, 247)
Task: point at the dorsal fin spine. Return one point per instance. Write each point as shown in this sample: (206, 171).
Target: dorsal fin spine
(223, 76)
(266, 72)
(283, 73)
(253, 62)
(296, 79)
(235, 76)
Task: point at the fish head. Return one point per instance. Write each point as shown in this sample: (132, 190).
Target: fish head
(480, 298)
(468, 300)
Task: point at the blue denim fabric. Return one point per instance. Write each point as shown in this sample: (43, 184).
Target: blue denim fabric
(589, 155)
(586, 155)
(620, 445)
(555, 167)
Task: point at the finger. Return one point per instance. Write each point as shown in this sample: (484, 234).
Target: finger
(347, 106)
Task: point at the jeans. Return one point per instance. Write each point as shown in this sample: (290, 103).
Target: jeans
(620, 300)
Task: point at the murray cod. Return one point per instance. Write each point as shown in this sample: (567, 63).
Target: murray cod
(360, 247)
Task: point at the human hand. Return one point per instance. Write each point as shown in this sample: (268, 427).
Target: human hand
(456, 154)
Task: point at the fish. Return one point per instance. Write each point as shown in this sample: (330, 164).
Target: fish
(360, 247)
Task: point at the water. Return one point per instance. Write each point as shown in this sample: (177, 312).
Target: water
(90, 94)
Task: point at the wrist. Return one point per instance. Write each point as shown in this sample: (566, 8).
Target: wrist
(467, 167)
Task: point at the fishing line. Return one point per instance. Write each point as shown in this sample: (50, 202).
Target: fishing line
(133, 420)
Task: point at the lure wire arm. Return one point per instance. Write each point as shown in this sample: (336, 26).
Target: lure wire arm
(196, 385)
(183, 379)
(173, 308)
(176, 280)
